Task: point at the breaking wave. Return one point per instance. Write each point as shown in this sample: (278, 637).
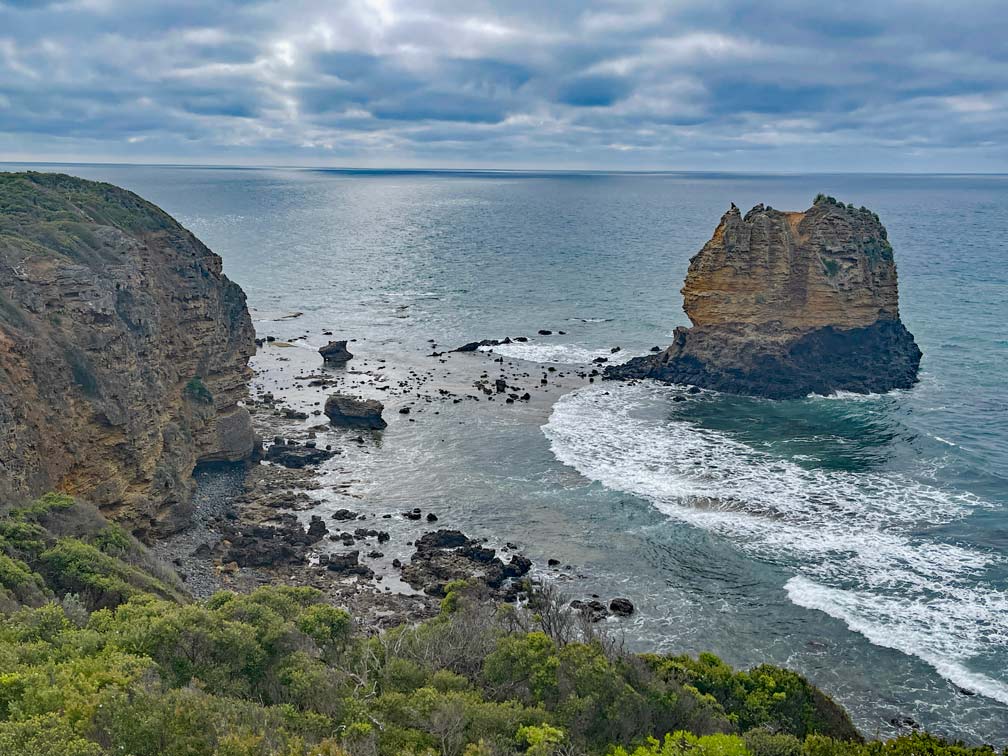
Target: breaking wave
(558, 354)
(852, 538)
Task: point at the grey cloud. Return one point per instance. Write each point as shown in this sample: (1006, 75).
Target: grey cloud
(602, 84)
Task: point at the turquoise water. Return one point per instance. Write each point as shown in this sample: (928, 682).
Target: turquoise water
(861, 540)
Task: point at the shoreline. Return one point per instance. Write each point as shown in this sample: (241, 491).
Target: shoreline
(384, 587)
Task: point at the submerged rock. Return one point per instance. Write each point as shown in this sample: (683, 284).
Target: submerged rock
(348, 412)
(784, 304)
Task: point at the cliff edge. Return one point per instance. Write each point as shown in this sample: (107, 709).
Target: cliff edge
(123, 351)
(784, 304)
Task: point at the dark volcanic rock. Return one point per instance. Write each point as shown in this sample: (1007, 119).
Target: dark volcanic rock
(621, 607)
(348, 412)
(473, 346)
(788, 304)
(335, 352)
(264, 546)
(348, 563)
(446, 555)
(442, 539)
(290, 455)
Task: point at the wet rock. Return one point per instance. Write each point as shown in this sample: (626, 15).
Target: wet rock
(519, 566)
(317, 528)
(344, 514)
(472, 346)
(442, 539)
(431, 517)
(348, 563)
(290, 455)
(594, 610)
(621, 607)
(347, 412)
(335, 352)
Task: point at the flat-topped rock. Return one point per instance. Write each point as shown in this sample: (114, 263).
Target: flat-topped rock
(348, 412)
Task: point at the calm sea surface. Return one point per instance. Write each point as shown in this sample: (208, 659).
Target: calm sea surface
(860, 540)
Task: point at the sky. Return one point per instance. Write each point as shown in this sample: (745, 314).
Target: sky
(720, 85)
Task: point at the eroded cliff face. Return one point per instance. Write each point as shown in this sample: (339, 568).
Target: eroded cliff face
(123, 351)
(784, 304)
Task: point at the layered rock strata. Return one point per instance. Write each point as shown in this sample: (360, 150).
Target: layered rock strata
(784, 304)
(123, 351)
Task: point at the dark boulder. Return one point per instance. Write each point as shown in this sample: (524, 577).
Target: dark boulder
(336, 352)
(442, 539)
(347, 412)
(621, 607)
(291, 455)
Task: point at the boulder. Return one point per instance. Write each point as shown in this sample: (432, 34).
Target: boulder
(336, 352)
(348, 412)
(621, 607)
(442, 539)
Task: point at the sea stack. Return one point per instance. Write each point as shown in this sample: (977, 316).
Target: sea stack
(123, 352)
(784, 304)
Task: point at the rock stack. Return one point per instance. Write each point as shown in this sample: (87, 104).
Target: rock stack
(784, 304)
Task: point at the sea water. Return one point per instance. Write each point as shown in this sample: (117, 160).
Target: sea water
(862, 540)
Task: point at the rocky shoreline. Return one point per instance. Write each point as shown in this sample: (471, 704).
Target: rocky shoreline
(274, 522)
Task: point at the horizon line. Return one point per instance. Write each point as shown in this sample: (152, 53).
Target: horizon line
(619, 171)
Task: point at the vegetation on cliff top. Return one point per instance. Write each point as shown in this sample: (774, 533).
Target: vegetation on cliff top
(101, 653)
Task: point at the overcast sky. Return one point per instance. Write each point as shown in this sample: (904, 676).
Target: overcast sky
(781, 85)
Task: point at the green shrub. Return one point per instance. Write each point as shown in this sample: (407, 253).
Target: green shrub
(47, 735)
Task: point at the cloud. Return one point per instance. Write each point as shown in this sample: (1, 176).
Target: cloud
(718, 84)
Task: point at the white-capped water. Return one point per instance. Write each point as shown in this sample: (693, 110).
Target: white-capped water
(855, 541)
(558, 354)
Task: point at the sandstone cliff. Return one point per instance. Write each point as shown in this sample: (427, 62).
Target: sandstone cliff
(785, 303)
(123, 351)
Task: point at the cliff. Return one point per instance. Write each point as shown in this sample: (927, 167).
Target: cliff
(123, 351)
(784, 304)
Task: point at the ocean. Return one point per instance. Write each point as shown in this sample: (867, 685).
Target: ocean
(861, 540)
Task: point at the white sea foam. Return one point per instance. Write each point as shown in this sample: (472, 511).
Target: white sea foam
(850, 536)
(559, 354)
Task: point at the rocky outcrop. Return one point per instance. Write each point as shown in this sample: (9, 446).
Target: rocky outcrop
(123, 351)
(784, 304)
(347, 412)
